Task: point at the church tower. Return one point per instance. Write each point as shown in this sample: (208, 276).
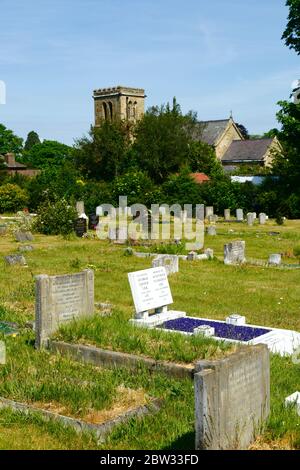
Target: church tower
(119, 103)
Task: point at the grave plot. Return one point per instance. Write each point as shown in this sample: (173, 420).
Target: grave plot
(151, 291)
(76, 395)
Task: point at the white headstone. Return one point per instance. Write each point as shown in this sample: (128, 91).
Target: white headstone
(239, 215)
(209, 210)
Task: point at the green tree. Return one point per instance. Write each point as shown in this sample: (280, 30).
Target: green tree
(9, 142)
(202, 158)
(32, 139)
(102, 153)
(162, 140)
(291, 35)
(50, 153)
(12, 198)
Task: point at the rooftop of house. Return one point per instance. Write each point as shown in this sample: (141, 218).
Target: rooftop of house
(247, 150)
(200, 177)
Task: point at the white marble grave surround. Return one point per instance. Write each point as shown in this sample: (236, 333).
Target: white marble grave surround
(151, 291)
(293, 399)
(282, 342)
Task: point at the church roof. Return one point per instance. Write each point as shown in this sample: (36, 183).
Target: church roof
(213, 130)
(247, 150)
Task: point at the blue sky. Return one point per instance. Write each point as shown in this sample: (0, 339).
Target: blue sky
(214, 56)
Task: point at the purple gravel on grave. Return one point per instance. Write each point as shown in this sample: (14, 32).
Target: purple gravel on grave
(222, 330)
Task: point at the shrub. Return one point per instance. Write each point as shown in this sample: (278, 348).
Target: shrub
(12, 198)
(55, 218)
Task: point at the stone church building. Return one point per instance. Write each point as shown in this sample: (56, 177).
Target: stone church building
(224, 135)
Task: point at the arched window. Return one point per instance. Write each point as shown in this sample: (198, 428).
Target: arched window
(129, 109)
(105, 111)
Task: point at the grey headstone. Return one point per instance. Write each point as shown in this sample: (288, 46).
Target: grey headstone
(60, 299)
(25, 248)
(209, 210)
(3, 229)
(239, 215)
(80, 208)
(22, 237)
(211, 230)
(170, 262)
(232, 399)
(15, 259)
(227, 214)
(250, 218)
(234, 252)
(275, 259)
(200, 208)
(212, 219)
(262, 218)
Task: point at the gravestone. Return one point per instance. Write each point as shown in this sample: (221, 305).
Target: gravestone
(80, 227)
(262, 218)
(93, 221)
(151, 291)
(80, 208)
(227, 214)
(25, 248)
(22, 237)
(192, 256)
(170, 262)
(232, 399)
(15, 259)
(209, 210)
(209, 252)
(3, 229)
(211, 230)
(250, 218)
(293, 401)
(60, 299)
(200, 210)
(234, 252)
(239, 215)
(212, 219)
(275, 259)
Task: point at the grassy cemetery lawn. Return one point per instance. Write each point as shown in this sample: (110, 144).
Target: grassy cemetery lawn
(267, 296)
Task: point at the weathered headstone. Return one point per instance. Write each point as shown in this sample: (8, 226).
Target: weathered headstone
(250, 218)
(60, 299)
(99, 211)
(22, 237)
(212, 219)
(234, 252)
(275, 259)
(239, 215)
(227, 214)
(232, 399)
(209, 252)
(211, 230)
(293, 401)
(80, 208)
(3, 229)
(262, 218)
(25, 248)
(200, 211)
(80, 227)
(15, 259)
(209, 210)
(170, 262)
(151, 291)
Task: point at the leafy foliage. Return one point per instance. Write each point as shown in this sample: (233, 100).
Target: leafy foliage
(48, 154)
(9, 142)
(32, 139)
(102, 155)
(291, 35)
(55, 218)
(12, 198)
